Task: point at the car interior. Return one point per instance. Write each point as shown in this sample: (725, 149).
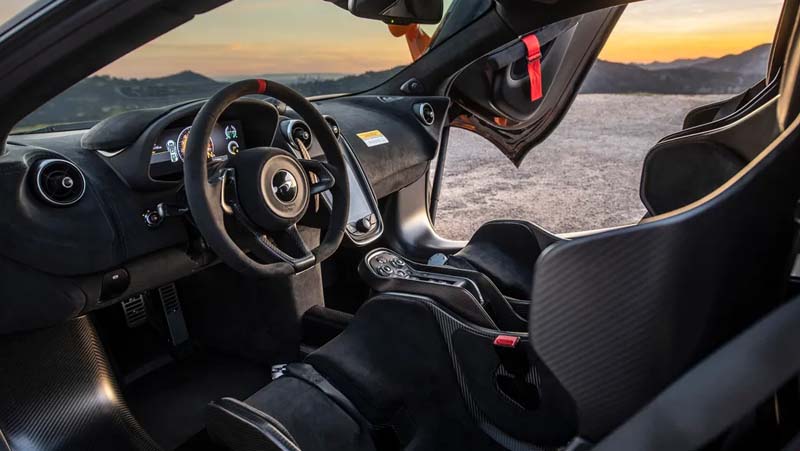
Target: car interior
(258, 270)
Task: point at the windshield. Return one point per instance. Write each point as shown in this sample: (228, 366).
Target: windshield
(313, 46)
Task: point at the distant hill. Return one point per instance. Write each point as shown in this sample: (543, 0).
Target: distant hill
(753, 61)
(98, 97)
(677, 64)
(727, 75)
(287, 78)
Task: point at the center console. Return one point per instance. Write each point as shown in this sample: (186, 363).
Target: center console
(468, 294)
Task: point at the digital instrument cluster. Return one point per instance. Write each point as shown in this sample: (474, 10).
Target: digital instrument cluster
(170, 148)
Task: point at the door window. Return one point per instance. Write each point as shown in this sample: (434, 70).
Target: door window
(664, 59)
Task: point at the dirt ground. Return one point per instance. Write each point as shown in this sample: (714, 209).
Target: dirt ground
(585, 176)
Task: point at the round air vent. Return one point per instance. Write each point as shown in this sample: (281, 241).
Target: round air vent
(334, 126)
(425, 113)
(59, 182)
(297, 130)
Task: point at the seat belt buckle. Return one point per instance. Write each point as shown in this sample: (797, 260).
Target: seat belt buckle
(506, 341)
(513, 359)
(512, 376)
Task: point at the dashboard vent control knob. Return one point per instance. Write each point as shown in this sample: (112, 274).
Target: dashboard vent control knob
(152, 218)
(425, 113)
(59, 182)
(334, 126)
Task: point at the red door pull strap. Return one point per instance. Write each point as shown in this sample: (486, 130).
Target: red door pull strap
(534, 65)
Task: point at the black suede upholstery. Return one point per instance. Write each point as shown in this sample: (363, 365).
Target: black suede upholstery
(121, 130)
(506, 251)
(422, 380)
(676, 176)
(314, 421)
(241, 426)
(400, 376)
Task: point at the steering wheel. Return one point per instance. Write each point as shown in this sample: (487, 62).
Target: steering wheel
(267, 190)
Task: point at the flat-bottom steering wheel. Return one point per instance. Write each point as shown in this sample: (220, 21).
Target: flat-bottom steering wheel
(266, 189)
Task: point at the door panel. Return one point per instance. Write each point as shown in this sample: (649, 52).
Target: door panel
(492, 96)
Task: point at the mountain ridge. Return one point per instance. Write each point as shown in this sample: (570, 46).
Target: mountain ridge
(728, 74)
(100, 96)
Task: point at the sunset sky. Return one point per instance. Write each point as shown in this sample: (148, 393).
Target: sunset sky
(300, 36)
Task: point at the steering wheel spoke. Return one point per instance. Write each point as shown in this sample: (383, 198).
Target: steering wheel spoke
(323, 171)
(268, 245)
(270, 249)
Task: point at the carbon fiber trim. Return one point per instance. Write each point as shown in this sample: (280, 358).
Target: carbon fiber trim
(57, 392)
(619, 315)
(449, 325)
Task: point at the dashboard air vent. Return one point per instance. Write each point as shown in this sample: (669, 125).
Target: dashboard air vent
(334, 126)
(425, 113)
(59, 182)
(294, 130)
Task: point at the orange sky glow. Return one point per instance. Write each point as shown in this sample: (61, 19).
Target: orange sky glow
(253, 37)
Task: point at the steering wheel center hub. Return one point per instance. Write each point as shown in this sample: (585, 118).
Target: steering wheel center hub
(273, 187)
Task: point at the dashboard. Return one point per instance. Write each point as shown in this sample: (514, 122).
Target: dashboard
(99, 244)
(228, 138)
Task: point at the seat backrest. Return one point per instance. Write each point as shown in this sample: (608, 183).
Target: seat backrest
(619, 315)
(680, 170)
(715, 114)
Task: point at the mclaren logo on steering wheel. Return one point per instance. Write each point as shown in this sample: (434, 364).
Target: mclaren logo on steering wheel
(284, 186)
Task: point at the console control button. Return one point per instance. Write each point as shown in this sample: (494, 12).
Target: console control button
(363, 225)
(398, 263)
(385, 271)
(403, 273)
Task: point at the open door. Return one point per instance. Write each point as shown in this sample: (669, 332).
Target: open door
(517, 94)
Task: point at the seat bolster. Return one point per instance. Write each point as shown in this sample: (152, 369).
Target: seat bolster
(240, 426)
(289, 414)
(506, 251)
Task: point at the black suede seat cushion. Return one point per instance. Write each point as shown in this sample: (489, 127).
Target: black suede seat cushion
(394, 366)
(506, 252)
(314, 421)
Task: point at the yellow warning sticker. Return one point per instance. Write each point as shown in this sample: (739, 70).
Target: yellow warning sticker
(373, 138)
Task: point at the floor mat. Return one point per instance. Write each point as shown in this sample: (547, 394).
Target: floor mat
(169, 403)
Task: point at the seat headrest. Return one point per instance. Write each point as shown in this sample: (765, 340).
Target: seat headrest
(789, 102)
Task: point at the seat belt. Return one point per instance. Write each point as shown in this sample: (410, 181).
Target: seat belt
(719, 391)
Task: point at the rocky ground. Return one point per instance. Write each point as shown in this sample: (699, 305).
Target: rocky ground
(585, 176)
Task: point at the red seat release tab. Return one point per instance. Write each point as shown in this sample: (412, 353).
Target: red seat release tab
(506, 341)
(534, 65)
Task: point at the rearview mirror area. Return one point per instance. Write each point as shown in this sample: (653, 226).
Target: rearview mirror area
(398, 12)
